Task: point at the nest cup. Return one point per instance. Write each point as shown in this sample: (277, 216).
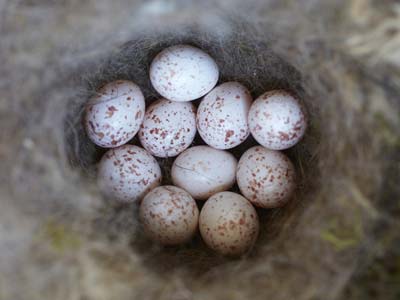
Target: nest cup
(285, 242)
(250, 62)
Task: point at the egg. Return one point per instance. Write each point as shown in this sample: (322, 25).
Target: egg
(277, 120)
(127, 173)
(265, 177)
(114, 115)
(169, 215)
(168, 127)
(183, 73)
(222, 116)
(203, 171)
(229, 224)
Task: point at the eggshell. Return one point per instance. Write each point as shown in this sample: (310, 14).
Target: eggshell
(183, 73)
(127, 173)
(265, 177)
(169, 215)
(204, 171)
(168, 128)
(277, 120)
(114, 115)
(229, 224)
(222, 116)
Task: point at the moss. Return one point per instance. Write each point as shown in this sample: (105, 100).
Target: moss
(380, 279)
(385, 129)
(60, 237)
(342, 237)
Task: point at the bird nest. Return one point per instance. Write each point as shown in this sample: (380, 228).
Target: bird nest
(305, 249)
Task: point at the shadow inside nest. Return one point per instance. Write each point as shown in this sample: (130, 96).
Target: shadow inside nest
(240, 58)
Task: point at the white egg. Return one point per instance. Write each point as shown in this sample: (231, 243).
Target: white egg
(229, 224)
(114, 115)
(127, 173)
(277, 120)
(183, 73)
(266, 177)
(168, 127)
(222, 116)
(169, 215)
(203, 171)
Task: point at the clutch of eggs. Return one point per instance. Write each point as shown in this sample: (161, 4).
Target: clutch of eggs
(225, 117)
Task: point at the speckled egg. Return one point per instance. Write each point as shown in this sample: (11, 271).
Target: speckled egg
(183, 73)
(168, 127)
(277, 120)
(229, 224)
(222, 116)
(169, 215)
(265, 177)
(114, 115)
(128, 173)
(204, 171)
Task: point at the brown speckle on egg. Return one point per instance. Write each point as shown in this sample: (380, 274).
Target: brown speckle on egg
(183, 73)
(169, 215)
(222, 116)
(110, 120)
(277, 120)
(168, 128)
(265, 177)
(128, 173)
(229, 224)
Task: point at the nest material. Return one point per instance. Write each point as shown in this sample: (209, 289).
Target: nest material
(67, 241)
(241, 58)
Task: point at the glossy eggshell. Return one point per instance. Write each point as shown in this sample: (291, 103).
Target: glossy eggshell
(168, 127)
(277, 120)
(183, 73)
(127, 173)
(114, 115)
(169, 215)
(265, 177)
(204, 171)
(229, 224)
(222, 116)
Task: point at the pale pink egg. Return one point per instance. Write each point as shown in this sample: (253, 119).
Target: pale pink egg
(222, 116)
(183, 73)
(128, 173)
(168, 128)
(229, 224)
(169, 215)
(114, 115)
(266, 177)
(204, 171)
(277, 120)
